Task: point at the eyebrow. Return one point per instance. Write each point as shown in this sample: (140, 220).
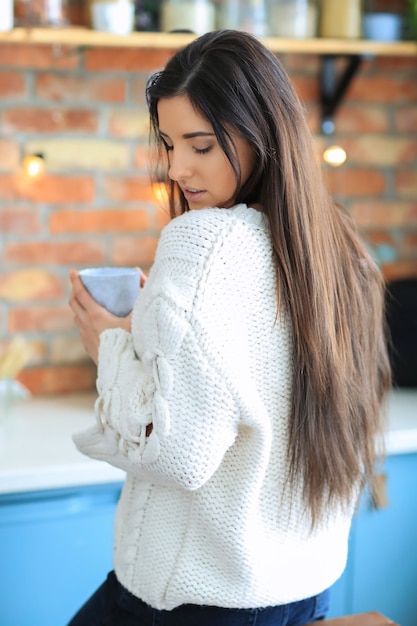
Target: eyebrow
(198, 133)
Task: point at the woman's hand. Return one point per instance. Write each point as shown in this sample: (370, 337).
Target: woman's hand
(90, 317)
(143, 278)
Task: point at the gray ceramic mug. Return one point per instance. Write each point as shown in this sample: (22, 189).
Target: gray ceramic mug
(115, 288)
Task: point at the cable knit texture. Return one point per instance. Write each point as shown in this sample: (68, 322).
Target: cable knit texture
(205, 515)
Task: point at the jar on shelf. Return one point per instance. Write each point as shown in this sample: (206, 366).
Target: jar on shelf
(248, 15)
(6, 15)
(381, 24)
(196, 16)
(341, 19)
(112, 16)
(41, 12)
(294, 18)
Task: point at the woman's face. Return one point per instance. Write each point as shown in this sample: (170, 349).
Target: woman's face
(196, 160)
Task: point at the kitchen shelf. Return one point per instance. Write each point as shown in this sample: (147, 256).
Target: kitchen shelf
(79, 36)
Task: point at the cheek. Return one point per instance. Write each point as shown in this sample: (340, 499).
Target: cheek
(248, 164)
(226, 176)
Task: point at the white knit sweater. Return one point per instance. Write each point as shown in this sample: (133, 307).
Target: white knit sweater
(204, 515)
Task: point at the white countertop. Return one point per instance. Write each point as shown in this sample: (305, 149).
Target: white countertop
(36, 449)
(402, 422)
(37, 452)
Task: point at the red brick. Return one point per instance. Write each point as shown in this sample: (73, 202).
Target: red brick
(80, 88)
(35, 120)
(128, 189)
(383, 214)
(125, 59)
(378, 238)
(406, 119)
(307, 88)
(59, 378)
(19, 220)
(38, 352)
(91, 153)
(137, 90)
(300, 63)
(12, 85)
(344, 182)
(52, 189)
(406, 183)
(40, 319)
(134, 251)
(9, 155)
(381, 89)
(162, 216)
(98, 221)
(396, 64)
(29, 284)
(410, 244)
(412, 214)
(133, 123)
(381, 150)
(56, 253)
(38, 57)
(361, 118)
(400, 269)
(141, 157)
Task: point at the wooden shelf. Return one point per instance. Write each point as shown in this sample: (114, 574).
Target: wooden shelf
(84, 37)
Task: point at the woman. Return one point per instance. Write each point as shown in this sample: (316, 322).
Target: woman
(243, 395)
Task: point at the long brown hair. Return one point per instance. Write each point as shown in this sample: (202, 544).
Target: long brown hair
(325, 276)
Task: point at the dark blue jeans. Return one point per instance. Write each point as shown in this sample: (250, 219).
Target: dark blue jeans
(113, 605)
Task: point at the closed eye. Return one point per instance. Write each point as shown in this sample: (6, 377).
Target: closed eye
(202, 150)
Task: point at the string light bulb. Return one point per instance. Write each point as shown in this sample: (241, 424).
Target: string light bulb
(160, 192)
(33, 165)
(334, 156)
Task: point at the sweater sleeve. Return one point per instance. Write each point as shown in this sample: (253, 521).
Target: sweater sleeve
(166, 377)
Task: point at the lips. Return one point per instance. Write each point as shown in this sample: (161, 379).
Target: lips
(192, 194)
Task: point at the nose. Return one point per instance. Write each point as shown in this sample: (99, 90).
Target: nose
(179, 166)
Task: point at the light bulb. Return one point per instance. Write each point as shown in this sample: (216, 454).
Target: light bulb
(33, 165)
(334, 156)
(160, 192)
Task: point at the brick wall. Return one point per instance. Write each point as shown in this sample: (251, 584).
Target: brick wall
(85, 111)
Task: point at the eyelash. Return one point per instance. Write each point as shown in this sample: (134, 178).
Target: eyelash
(197, 151)
(166, 146)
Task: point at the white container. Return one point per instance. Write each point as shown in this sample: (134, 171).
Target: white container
(113, 17)
(294, 18)
(198, 17)
(250, 16)
(6, 15)
(382, 26)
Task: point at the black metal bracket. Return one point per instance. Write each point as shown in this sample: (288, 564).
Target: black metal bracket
(332, 91)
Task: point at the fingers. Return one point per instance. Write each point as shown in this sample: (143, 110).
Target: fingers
(80, 297)
(143, 277)
(89, 316)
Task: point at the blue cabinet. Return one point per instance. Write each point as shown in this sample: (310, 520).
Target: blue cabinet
(381, 574)
(56, 549)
